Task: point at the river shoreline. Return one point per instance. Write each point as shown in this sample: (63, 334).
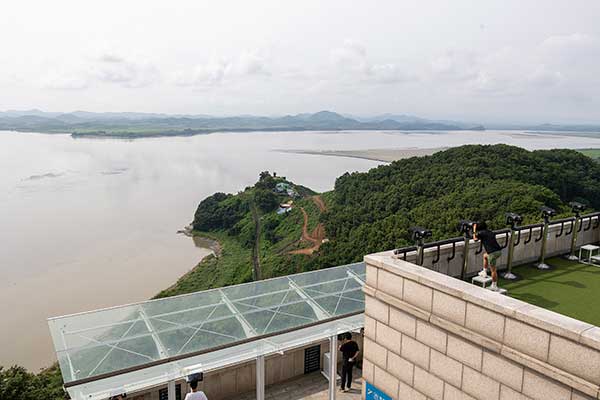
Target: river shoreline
(384, 155)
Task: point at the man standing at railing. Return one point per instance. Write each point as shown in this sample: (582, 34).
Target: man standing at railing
(493, 251)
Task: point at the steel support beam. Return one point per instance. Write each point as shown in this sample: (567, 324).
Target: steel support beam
(161, 348)
(171, 390)
(260, 377)
(357, 278)
(333, 350)
(248, 330)
(318, 310)
(64, 340)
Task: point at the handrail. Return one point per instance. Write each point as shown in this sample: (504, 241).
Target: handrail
(405, 250)
(450, 258)
(562, 229)
(505, 245)
(541, 235)
(530, 226)
(573, 223)
(437, 257)
(526, 241)
(590, 216)
(453, 241)
(443, 242)
(518, 238)
(561, 220)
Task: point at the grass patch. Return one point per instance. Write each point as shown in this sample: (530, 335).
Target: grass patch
(570, 288)
(592, 153)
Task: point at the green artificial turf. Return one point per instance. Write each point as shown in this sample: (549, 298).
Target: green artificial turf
(569, 288)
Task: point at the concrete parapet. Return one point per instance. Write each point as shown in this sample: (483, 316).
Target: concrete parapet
(459, 341)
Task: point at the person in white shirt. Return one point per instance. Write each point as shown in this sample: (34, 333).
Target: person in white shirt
(195, 394)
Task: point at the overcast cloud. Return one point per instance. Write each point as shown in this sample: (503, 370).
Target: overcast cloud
(484, 61)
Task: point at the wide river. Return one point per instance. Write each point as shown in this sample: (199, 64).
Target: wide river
(90, 223)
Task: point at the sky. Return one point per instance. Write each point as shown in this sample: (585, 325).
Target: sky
(509, 61)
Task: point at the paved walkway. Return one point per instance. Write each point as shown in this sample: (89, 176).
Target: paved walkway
(313, 386)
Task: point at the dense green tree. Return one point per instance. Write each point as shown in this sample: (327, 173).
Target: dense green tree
(220, 211)
(16, 383)
(474, 182)
(265, 200)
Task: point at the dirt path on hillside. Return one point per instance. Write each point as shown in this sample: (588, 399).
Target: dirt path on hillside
(319, 202)
(316, 237)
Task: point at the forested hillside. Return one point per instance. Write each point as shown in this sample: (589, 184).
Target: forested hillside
(372, 211)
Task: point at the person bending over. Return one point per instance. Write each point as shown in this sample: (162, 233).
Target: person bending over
(350, 351)
(493, 251)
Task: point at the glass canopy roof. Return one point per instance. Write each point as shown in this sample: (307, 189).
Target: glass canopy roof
(100, 344)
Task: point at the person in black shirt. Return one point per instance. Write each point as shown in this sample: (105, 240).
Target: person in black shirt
(493, 251)
(350, 351)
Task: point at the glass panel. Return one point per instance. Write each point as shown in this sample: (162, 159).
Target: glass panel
(109, 340)
(161, 374)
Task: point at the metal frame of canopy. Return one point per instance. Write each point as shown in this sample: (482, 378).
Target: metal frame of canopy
(139, 346)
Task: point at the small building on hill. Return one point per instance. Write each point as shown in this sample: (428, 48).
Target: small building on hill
(285, 188)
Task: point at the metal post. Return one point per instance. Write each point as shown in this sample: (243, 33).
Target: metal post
(332, 366)
(542, 264)
(463, 273)
(511, 248)
(260, 377)
(420, 252)
(576, 224)
(171, 390)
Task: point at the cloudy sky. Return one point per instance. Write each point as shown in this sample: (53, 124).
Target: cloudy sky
(500, 61)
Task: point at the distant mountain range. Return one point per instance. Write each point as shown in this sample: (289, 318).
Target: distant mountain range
(132, 125)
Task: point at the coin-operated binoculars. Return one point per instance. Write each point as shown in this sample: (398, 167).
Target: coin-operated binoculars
(465, 227)
(577, 208)
(547, 213)
(513, 220)
(418, 235)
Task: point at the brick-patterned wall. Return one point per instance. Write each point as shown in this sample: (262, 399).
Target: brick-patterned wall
(431, 336)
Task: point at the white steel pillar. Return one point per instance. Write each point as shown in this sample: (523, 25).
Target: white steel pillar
(332, 366)
(260, 378)
(171, 390)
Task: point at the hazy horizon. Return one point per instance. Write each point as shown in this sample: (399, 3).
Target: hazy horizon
(493, 62)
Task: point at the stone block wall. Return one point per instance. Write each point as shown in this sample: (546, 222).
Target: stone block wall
(431, 336)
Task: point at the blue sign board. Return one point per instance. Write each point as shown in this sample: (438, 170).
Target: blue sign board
(374, 393)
